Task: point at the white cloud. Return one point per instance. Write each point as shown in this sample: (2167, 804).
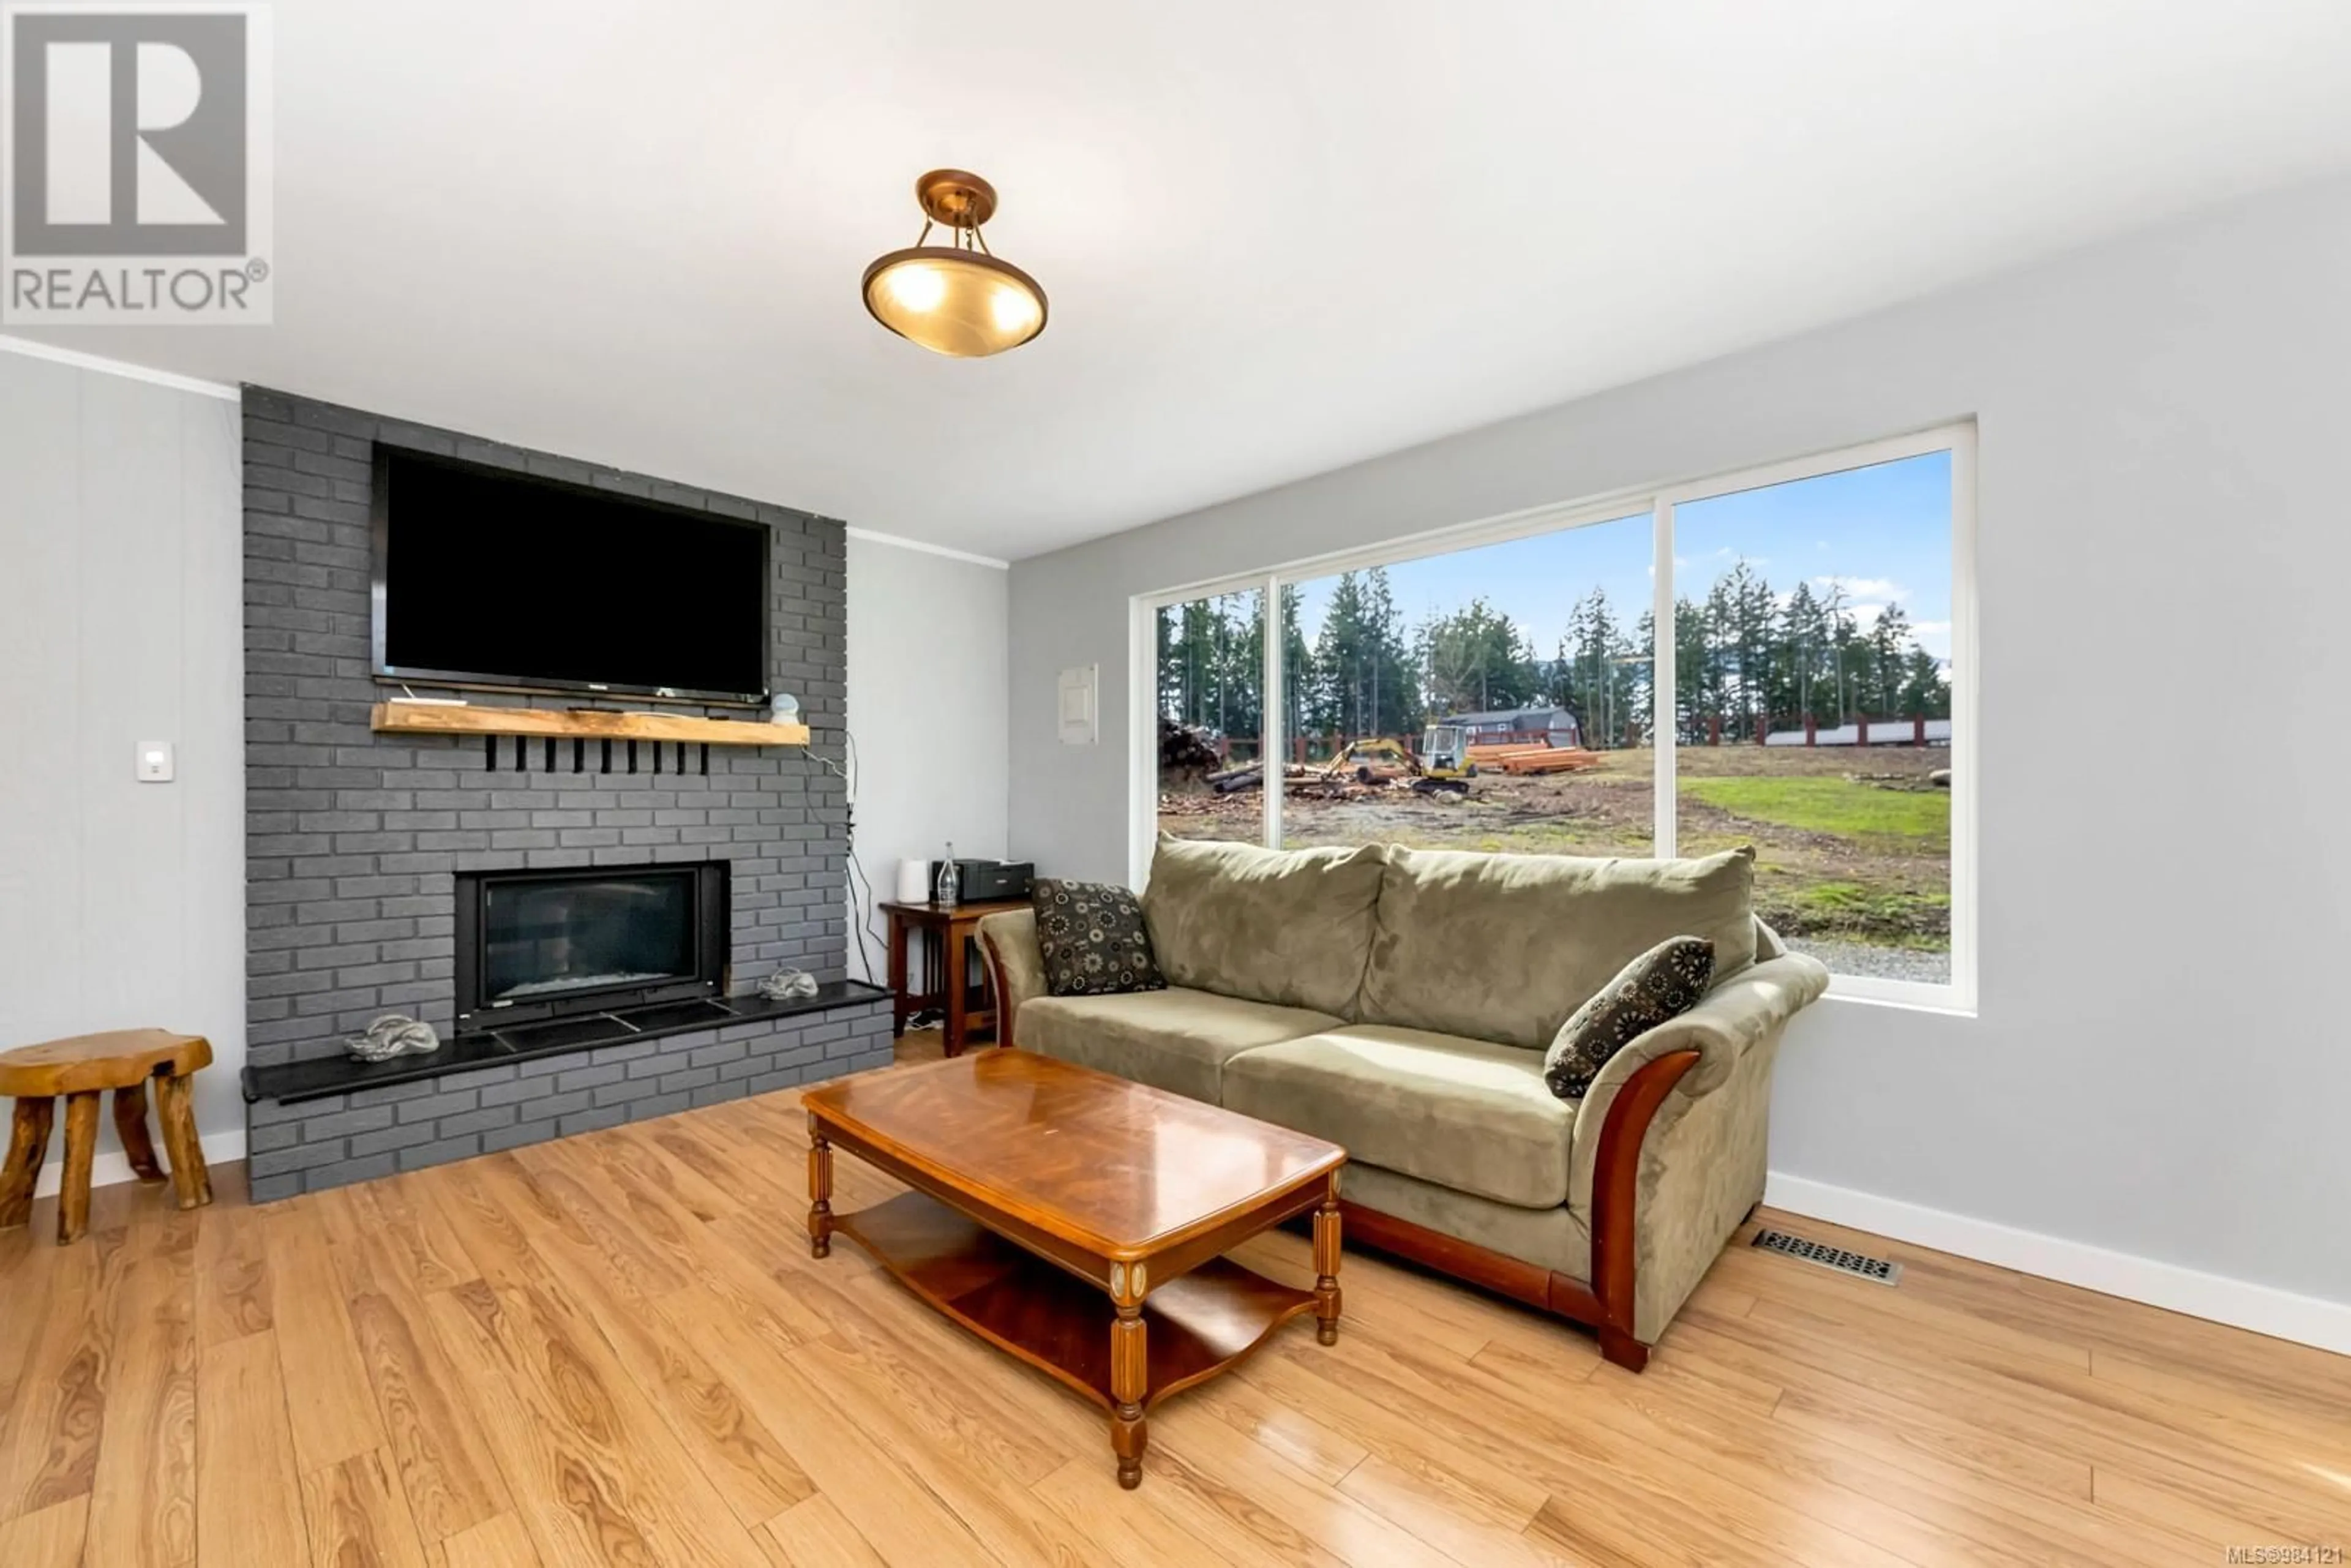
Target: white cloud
(1863, 587)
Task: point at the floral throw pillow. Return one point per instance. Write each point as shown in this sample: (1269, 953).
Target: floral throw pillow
(1663, 983)
(1093, 939)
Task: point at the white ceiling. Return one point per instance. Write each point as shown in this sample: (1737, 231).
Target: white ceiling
(1277, 236)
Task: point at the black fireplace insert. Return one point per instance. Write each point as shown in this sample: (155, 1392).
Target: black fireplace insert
(549, 944)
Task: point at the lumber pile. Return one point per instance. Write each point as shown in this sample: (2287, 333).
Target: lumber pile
(1550, 760)
(1495, 755)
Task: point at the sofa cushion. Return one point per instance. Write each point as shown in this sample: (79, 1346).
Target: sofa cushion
(1176, 1039)
(1659, 986)
(1506, 947)
(1090, 938)
(1288, 927)
(1460, 1113)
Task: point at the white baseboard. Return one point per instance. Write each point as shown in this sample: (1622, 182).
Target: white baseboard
(2264, 1309)
(110, 1168)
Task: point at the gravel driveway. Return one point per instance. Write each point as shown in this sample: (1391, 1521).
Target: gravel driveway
(1883, 963)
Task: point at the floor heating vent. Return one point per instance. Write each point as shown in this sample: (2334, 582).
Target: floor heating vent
(1836, 1258)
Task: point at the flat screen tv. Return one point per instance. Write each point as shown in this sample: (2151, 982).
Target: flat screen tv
(492, 579)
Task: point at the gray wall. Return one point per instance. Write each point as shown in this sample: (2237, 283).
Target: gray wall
(2152, 1070)
(926, 662)
(120, 903)
(352, 838)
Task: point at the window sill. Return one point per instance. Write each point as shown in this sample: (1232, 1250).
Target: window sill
(1907, 995)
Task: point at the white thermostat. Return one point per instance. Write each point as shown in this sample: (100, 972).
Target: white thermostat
(154, 765)
(1078, 715)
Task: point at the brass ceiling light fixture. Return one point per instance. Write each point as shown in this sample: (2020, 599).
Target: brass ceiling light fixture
(955, 298)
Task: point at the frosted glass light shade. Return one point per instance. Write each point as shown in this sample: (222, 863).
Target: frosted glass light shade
(963, 303)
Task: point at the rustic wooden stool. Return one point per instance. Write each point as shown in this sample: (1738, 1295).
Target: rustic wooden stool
(82, 1068)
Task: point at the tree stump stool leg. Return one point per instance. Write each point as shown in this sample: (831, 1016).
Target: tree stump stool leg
(131, 1126)
(174, 1110)
(81, 1147)
(29, 1145)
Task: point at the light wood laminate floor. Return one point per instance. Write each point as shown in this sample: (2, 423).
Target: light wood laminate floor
(616, 1349)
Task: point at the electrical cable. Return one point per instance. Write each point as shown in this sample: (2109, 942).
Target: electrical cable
(856, 883)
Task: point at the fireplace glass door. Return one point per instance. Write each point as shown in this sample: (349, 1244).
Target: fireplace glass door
(535, 945)
(551, 938)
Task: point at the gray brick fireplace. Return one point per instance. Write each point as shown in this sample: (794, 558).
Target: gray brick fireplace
(355, 839)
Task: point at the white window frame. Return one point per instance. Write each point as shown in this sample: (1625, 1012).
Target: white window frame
(1660, 502)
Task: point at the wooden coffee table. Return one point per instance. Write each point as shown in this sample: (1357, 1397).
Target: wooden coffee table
(1079, 1220)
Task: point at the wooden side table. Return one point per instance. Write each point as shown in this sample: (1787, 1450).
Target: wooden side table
(954, 926)
(82, 1068)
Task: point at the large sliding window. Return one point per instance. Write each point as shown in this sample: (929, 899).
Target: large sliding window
(1781, 658)
(1535, 649)
(1209, 666)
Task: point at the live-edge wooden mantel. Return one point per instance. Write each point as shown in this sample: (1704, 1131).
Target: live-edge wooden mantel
(580, 723)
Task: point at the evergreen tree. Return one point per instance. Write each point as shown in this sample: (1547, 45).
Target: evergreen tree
(1926, 689)
(1297, 667)
(1170, 694)
(1477, 659)
(1692, 680)
(1848, 656)
(1600, 675)
(1211, 664)
(1740, 648)
(1641, 674)
(1804, 680)
(1396, 689)
(1889, 642)
(1364, 680)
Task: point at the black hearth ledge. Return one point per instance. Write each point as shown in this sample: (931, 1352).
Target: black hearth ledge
(293, 1081)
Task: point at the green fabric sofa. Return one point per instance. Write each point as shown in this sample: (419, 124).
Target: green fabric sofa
(1398, 1002)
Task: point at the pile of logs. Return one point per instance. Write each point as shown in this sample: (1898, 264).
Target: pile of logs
(1183, 746)
(1303, 781)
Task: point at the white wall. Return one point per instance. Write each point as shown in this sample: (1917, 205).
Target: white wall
(122, 903)
(926, 710)
(2156, 1070)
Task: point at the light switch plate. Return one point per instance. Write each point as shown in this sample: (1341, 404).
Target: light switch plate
(155, 762)
(1077, 686)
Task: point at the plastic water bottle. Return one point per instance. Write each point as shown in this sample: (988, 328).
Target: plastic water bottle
(947, 890)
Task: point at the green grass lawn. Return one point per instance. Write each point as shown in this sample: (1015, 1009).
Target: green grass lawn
(1830, 806)
(1900, 916)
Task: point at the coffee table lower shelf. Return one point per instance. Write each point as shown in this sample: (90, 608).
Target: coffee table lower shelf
(1198, 1324)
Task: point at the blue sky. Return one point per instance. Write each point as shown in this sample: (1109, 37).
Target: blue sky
(1884, 531)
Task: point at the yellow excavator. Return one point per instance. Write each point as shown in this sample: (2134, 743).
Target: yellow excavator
(1443, 766)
